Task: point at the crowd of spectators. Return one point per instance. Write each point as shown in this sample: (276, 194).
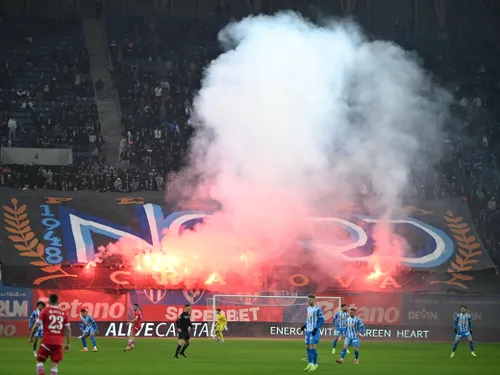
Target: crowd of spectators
(157, 69)
(156, 80)
(93, 174)
(46, 93)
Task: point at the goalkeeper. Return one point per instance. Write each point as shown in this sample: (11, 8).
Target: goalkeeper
(220, 326)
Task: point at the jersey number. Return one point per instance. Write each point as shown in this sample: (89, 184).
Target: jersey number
(56, 322)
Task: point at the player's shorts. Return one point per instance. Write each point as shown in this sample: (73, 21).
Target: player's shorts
(354, 342)
(219, 328)
(54, 352)
(463, 334)
(135, 330)
(38, 334)
(88, 331)
(312, 339)
(183, 335)
(338, 332)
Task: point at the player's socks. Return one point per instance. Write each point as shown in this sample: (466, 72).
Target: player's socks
(348, 352)
(356, 355)
(315, 356)
(183, 350)
(53, 371)
(178, 350)
(342, 355)
(34, 347)
(334, 345)
(471, 346)
(309, 356)
(93, 341)
(84, 342)
(130, 345)
(40, 368)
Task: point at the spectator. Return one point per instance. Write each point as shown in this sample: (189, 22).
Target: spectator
(123, 145)
(158, 134)
(158, 92)
(92, 140)
(118, 185)
(12, 125)
(485, 141)
(98, 9)
(464, 102)
(492, 204)
(78, 80)
(99, 86)
(165, 85)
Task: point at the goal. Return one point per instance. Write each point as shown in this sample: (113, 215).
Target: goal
(257, 316)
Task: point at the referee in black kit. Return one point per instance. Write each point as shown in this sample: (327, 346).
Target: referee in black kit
(183, 325)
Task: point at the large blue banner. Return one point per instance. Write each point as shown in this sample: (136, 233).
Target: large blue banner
(46, 240)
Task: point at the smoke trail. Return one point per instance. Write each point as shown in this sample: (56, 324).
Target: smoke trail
(293, 118)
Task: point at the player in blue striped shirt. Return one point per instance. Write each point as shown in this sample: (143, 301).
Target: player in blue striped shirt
(463, 328)
(314, 322)
(33, 319)
(338, 323)
(89, 328)
(354, 328)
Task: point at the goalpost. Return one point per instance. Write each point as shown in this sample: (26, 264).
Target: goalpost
(266, 316)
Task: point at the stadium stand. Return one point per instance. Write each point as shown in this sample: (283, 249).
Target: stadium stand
(47, 94)
(156, 78)
(157, 67)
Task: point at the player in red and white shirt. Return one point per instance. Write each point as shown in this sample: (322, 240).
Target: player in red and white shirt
(136, 326)
(56, 329)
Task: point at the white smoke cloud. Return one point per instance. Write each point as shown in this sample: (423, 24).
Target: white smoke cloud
(292, 107)
(292, 112)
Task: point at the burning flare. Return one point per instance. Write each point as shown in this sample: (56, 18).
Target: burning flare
(376, 274)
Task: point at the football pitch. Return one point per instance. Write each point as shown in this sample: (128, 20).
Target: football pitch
(256, 357)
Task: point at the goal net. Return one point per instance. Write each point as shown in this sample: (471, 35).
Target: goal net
(269, 316)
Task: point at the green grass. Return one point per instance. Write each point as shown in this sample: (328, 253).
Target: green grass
(255, 357)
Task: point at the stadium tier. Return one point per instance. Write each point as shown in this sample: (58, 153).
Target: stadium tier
(47, 93)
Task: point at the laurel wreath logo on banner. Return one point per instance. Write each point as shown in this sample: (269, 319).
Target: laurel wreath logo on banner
(466, 252)
(25, 241)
